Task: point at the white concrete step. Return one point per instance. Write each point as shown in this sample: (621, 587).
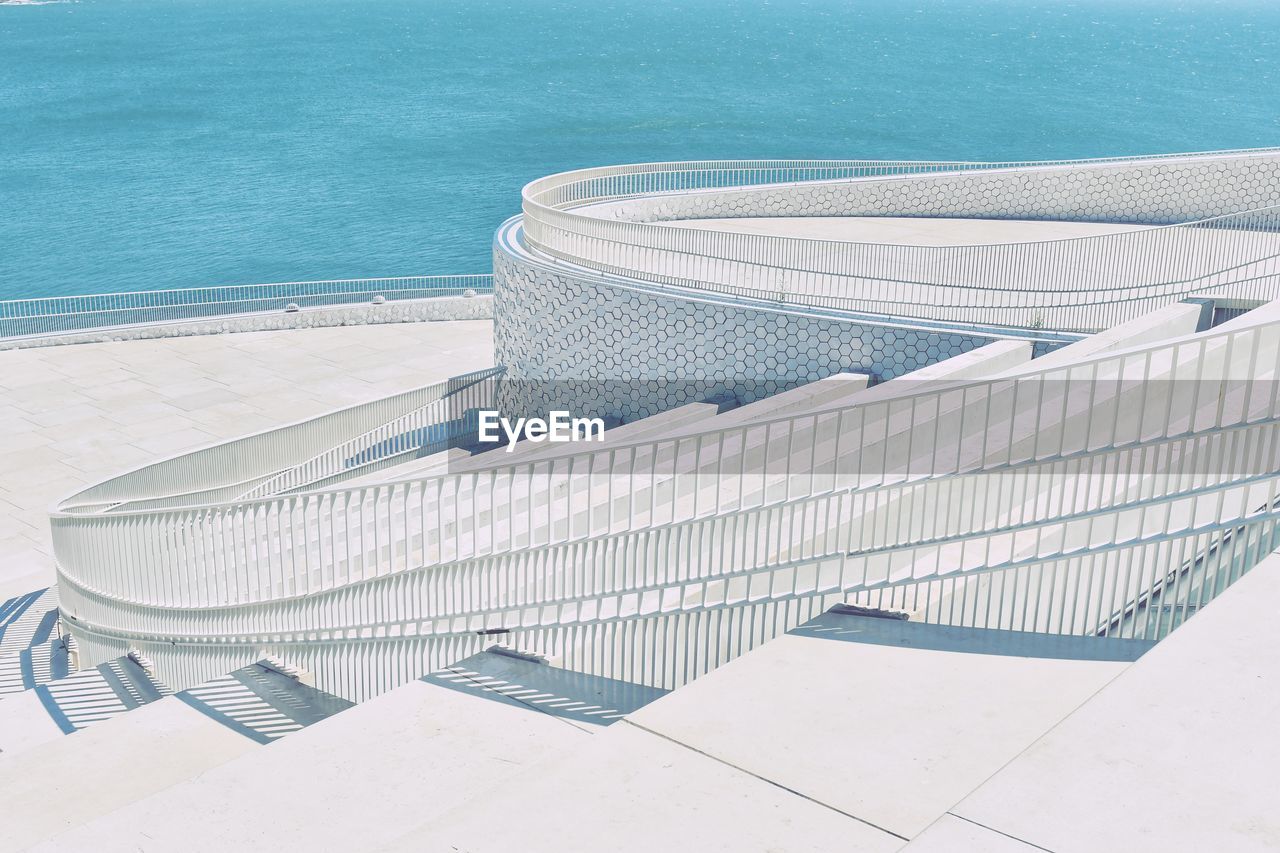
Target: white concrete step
(364, 777)
(836, 391)
(1268, 311)
(64, 783)
(822, 393)
(415, 466)
(847, 733)
(630, 791)
(27, 620)
(27, 668)
(1171, 321)
(985, 361)
(920, 713)
(71, 704)
(691, 418)
(31, 652)
(264, 701)
(1177, 753)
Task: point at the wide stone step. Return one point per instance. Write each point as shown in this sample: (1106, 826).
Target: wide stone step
(63, 783)
(73, 703)
(27, 620)
(848, 733)
(367, 776)
(46, 660)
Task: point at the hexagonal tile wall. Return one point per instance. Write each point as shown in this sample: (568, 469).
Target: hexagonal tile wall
(577, 342)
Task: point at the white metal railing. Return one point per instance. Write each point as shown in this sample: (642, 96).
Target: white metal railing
(1098, 470)
(57, 315)
(1076, 284)
(1113, 495)
(287, 457)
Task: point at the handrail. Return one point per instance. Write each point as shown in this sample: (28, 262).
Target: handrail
(365, 582)
(624, 221)
(431, 428)
(57, 315)
(285, 455)
(200, 573)
(652, 448)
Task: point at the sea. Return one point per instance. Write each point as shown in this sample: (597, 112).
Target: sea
(149, 144)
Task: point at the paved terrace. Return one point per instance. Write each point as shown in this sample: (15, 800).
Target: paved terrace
(72, 416)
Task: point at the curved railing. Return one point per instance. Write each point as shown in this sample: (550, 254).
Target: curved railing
(1112, 496)
(624, 220)
(60, 315)
(1178, 458)
(278, 460)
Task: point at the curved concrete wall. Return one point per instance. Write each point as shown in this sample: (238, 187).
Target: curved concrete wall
(584, 289)
(1084, 284)
(571, 340)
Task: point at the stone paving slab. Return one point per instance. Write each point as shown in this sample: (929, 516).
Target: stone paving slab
(1179, 752)
(630, 791)
(74, 415)
(353, 781)
(891, 722)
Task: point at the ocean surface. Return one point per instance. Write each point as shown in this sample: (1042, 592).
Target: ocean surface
(149, 144)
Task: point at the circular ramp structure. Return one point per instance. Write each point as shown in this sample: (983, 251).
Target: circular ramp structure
(821, 391)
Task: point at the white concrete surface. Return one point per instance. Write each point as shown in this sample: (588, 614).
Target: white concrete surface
(630, 790)
(844, 389)
(40, 663)
(1171, 321)
(421, 466)
(71, 416)
(24, 619)
(815, 741)
(66, 782)
(1179, 753)
(908, 230)
(951, 834)
(352, 782)
(823, 393)
(24, 725)
(80, 700)
(891, 735)
(984, 361)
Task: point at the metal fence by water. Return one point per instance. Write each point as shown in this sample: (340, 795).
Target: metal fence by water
(57, 315)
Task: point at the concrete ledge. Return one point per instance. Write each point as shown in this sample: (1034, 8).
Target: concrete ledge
(407, 311)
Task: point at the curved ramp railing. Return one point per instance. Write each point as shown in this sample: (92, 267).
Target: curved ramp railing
(424, 419)
(1111, 496)
(1214, 217)
(1095, 478)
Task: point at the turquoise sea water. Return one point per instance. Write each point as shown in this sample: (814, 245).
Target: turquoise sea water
(172, 143)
